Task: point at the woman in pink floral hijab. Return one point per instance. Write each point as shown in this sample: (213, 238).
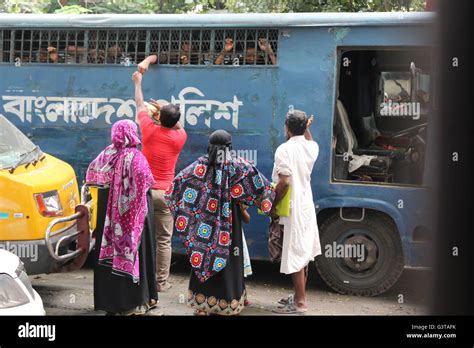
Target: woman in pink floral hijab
(124, 278)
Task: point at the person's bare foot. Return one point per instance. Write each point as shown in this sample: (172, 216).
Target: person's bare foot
(301, 306)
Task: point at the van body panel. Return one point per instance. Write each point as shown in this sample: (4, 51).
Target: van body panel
(255, 100)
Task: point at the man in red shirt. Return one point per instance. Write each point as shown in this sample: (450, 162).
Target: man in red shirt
(163, 137)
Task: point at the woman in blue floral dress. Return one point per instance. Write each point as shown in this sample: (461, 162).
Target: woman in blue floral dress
(204, 200)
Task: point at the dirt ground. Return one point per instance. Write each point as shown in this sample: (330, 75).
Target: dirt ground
(72, 293)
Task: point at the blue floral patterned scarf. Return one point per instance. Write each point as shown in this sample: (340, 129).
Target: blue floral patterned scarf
(200, 200)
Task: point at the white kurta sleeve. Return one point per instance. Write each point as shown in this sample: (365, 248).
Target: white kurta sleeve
(282, 162)
(314, 149)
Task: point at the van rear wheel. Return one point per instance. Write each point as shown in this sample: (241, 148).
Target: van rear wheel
(360, 258)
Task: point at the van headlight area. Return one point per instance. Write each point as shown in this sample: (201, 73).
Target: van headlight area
(17, 296)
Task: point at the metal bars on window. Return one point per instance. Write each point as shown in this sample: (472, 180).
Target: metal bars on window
(130, 46)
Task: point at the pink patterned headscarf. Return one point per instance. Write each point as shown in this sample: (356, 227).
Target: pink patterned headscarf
(125, 169)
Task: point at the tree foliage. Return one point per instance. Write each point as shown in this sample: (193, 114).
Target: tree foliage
(204, 6)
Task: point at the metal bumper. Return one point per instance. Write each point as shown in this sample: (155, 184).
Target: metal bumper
(52, 253)
(58, 241)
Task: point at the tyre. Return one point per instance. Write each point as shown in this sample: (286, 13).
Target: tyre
(360, 258)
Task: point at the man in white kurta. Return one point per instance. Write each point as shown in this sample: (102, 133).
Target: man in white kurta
(294, 161)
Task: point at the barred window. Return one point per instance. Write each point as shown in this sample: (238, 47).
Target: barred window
(131, 46)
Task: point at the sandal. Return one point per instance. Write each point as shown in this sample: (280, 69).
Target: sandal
(290, 308)
(285, 300)
(153, 304)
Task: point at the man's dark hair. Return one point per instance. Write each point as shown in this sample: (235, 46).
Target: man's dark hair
(296, 122)
(169, 115)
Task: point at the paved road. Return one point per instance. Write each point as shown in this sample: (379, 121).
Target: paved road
(72, 293)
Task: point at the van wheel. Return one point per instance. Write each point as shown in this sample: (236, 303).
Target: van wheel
(360, 258)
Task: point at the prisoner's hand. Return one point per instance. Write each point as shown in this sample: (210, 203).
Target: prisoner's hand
(229, 45)
(184, 59)
(264, 45)
(53, 54)
(142, 67)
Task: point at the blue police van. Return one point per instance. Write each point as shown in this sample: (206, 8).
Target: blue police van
(366, 78)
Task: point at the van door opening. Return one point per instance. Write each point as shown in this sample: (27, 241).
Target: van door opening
(381, 116)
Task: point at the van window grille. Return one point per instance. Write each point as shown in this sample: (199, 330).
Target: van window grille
(130, 46)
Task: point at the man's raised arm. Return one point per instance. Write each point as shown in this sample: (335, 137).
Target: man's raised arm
(307, 133)
(137, 79)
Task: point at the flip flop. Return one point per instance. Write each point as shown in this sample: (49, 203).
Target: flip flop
(289, 308)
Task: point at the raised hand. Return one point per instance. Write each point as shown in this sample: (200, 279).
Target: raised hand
(53, 54)
(264, 45)
(228, 45)
(184, 59)
(137, 77)
(143, 67)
